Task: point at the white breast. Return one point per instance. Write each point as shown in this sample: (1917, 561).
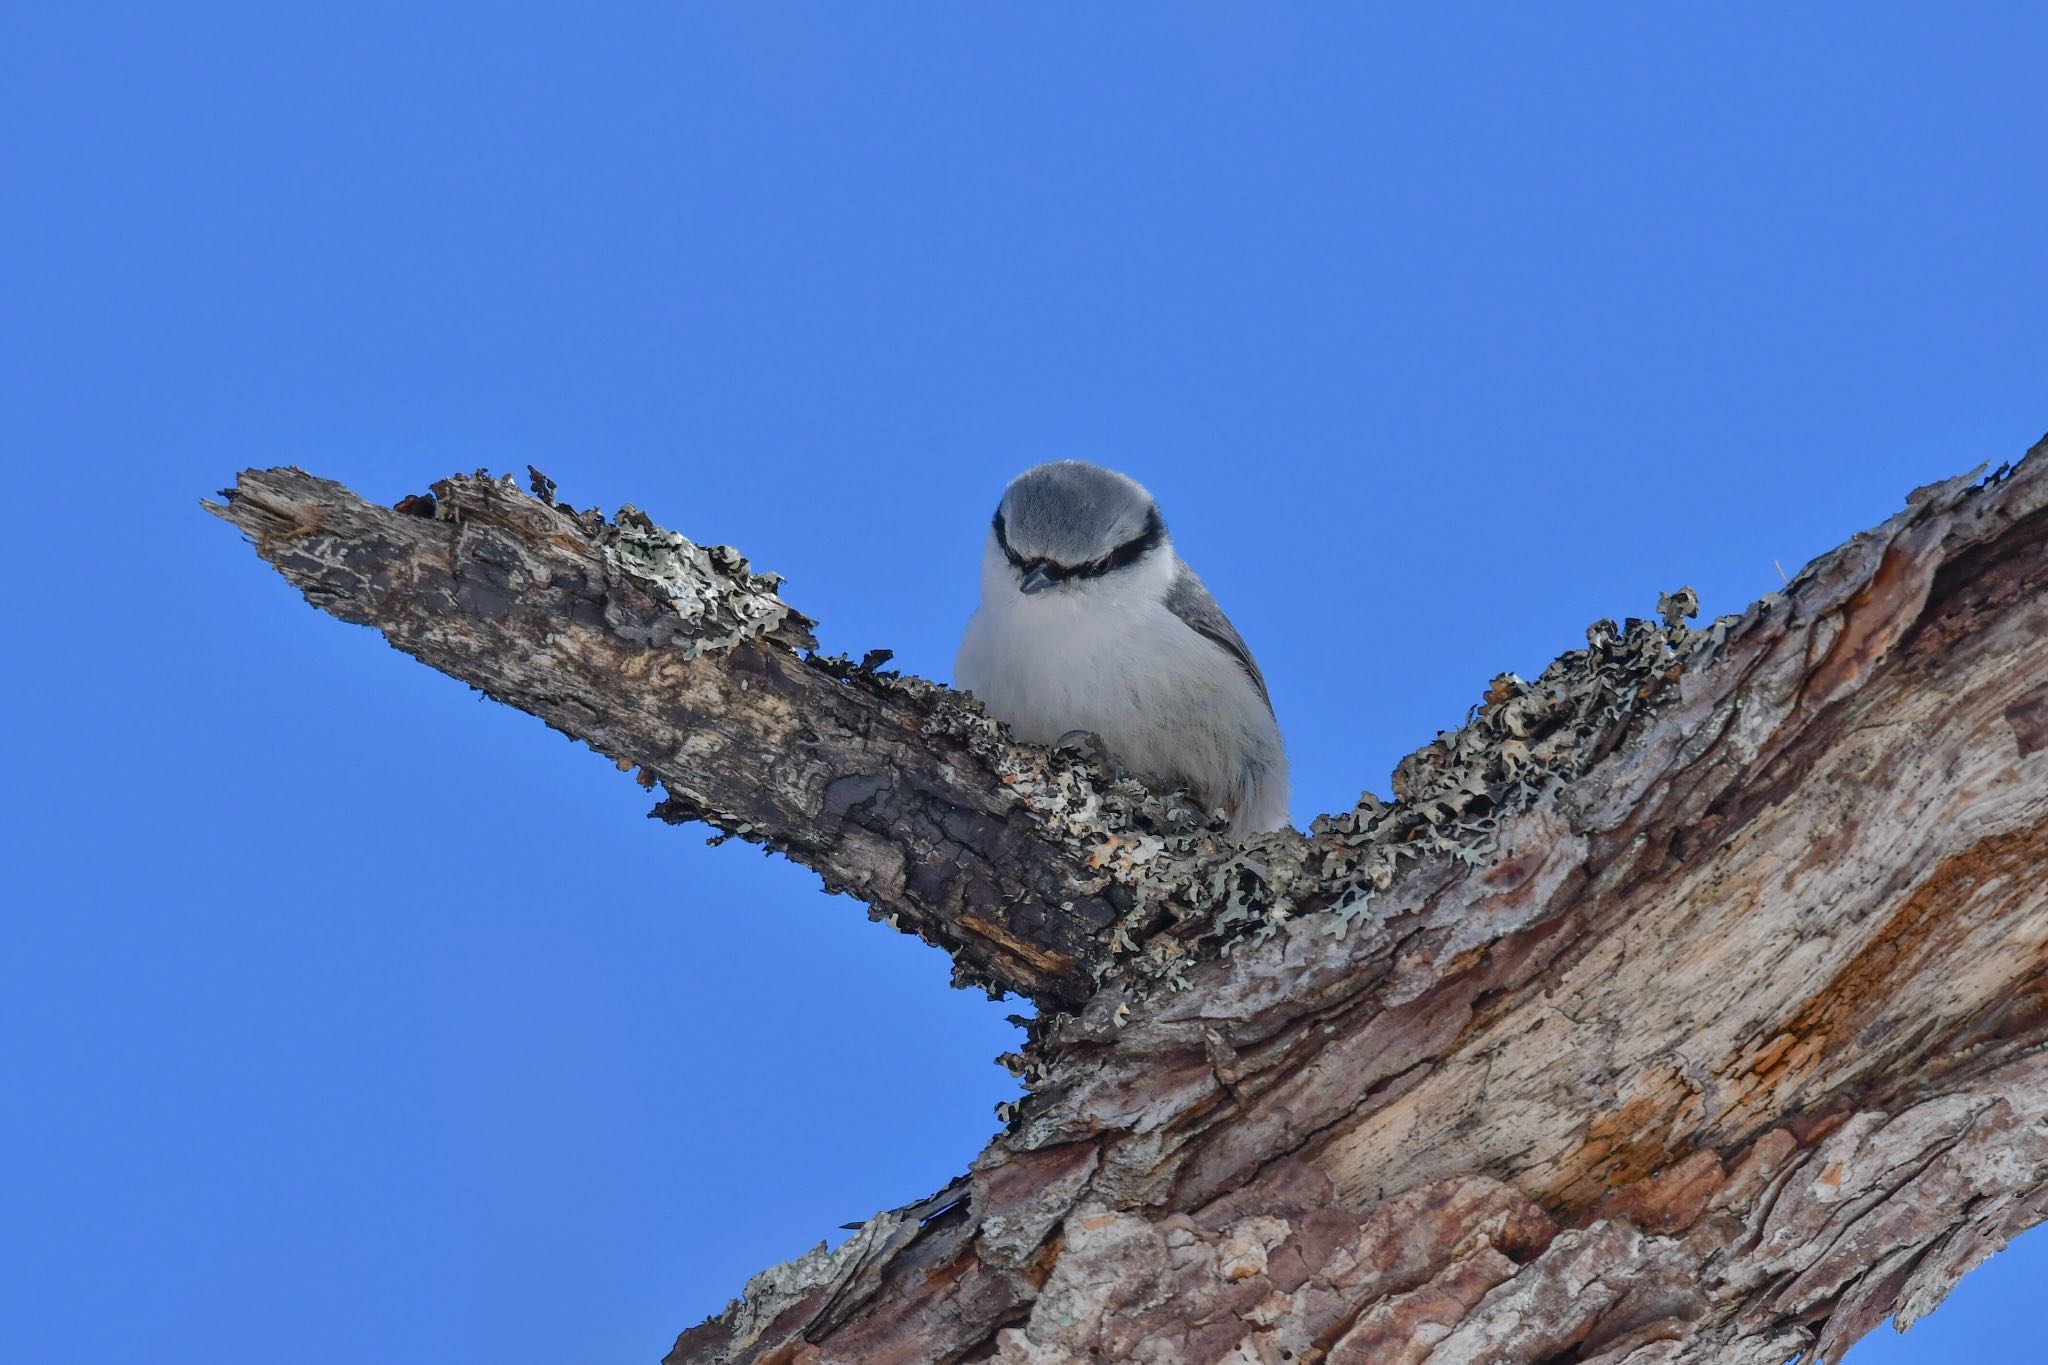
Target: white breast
(1105, 655)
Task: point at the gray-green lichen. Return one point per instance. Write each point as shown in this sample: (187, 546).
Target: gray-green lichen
(712, 589)
(1524, 741)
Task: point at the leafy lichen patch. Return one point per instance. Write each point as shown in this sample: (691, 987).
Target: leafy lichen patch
(1525, 741)
(712, 588)
(713, 596)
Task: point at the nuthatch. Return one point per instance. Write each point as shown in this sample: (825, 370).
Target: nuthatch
(1089, 622)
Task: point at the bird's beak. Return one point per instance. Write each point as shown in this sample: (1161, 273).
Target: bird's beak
(1038, 580)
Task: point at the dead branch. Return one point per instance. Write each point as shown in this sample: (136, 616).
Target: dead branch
(1688, 1005)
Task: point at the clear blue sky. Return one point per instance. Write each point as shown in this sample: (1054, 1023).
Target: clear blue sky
(346, 1018)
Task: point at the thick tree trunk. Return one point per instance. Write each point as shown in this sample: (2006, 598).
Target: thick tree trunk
(1688, 1005)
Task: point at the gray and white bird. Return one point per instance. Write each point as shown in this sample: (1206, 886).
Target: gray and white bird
(1089, 622)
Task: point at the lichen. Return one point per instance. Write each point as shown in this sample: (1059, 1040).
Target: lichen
(712, 589)
(1523, 742)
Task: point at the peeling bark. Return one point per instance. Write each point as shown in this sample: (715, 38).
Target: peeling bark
(1689, 1005)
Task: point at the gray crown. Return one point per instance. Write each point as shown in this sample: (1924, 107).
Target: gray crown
(1070, 512)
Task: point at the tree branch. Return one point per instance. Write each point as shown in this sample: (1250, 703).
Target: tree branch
(1688, 1005)
(683, 663)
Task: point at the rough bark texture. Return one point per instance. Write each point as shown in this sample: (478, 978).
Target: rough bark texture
(1688, 1005)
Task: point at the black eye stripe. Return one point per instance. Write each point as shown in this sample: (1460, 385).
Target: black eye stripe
(1130, 551)
(1003, 539)
(1122, 556)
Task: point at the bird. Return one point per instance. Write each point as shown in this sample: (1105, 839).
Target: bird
(1091, 625)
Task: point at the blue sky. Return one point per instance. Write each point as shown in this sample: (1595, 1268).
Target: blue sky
(345, 1017)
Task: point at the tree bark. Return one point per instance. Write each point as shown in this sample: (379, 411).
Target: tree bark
(1688, 1004)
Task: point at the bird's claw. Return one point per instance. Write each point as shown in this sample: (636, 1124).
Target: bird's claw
(1088, 746)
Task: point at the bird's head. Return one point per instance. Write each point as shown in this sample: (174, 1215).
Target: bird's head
(1070, 524)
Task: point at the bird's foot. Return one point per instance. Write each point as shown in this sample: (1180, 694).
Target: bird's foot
(1089, 748)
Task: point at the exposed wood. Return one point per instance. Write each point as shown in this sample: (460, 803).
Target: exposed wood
(1689, 1006)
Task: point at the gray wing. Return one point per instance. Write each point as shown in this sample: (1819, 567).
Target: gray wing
(1190, 601)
